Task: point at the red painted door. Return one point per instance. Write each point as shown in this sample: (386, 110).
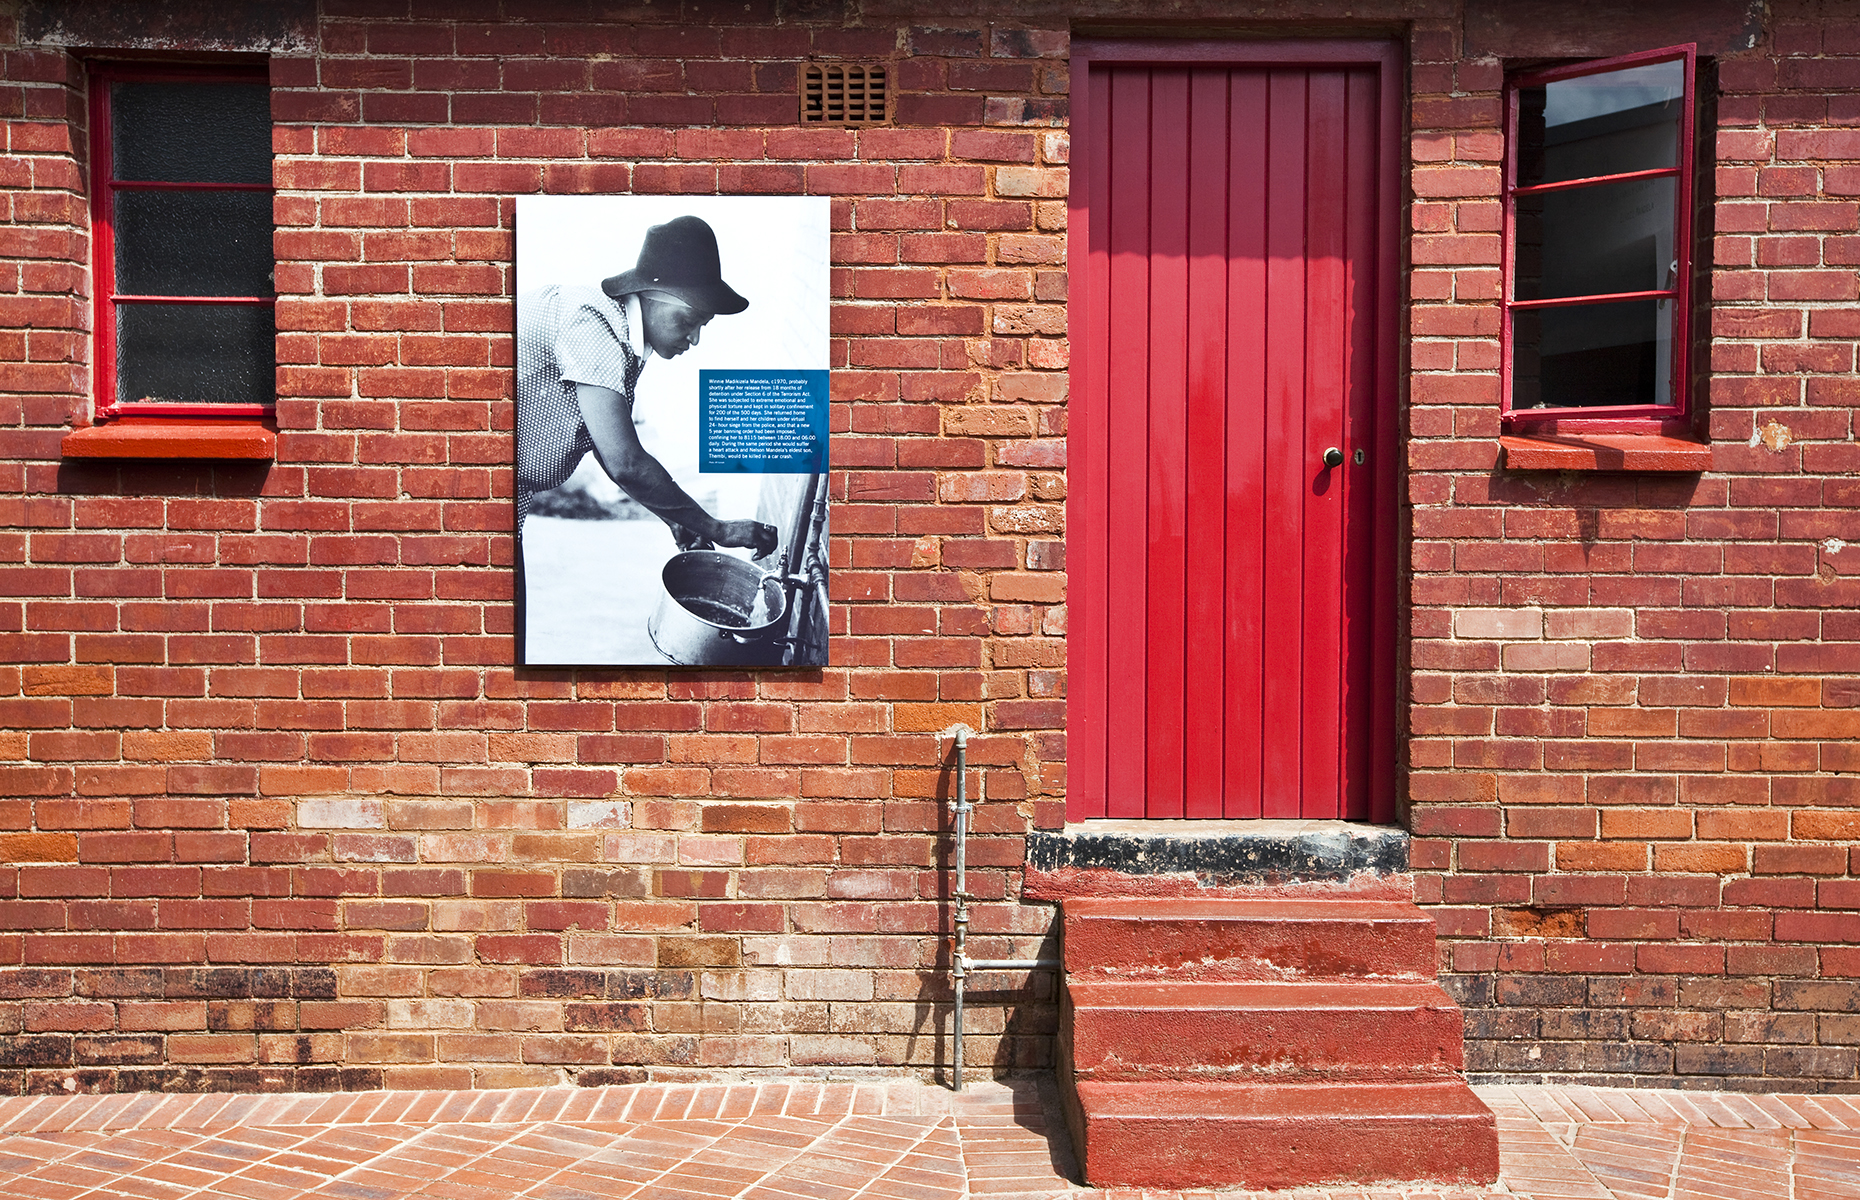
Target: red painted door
(1232, 240)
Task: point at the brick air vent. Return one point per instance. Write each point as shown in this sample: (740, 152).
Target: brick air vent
(840, 93)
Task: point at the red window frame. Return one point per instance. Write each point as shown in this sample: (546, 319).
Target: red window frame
(103, 239)
(1626, 418)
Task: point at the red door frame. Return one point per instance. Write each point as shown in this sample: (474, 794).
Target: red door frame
(1088, 738)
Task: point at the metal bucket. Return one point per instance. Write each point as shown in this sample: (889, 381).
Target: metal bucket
(703, 618)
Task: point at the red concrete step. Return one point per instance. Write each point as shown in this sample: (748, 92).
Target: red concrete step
(1366, 1030)
(1173, 1135)
(1184, 938)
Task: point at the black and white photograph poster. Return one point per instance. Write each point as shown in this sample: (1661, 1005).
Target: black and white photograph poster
(672, 366)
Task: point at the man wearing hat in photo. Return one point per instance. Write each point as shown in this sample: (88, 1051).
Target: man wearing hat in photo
(580, 351)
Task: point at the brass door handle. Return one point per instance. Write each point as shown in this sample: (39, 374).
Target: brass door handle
(1333, 457)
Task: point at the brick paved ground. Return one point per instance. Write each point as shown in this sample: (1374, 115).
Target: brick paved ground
(812, 1140)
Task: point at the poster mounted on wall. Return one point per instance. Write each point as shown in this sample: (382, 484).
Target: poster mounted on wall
(671, 431)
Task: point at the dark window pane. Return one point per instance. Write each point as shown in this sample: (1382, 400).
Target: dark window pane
(1602, 124)
(192, 132)
(204, 353)
(1587, 241)
(193, 243)
(1590, 355)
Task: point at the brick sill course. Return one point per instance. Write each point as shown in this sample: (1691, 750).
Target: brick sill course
(1603, 452)
(148, 437)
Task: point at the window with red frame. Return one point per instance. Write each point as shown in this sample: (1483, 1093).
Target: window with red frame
(181, 239)
(1598, 262)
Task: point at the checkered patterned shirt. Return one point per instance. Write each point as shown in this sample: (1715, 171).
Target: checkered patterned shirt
(566, 336)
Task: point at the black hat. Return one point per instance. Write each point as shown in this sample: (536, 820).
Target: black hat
(680, 257)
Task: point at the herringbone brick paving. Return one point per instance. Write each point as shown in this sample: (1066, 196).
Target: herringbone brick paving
(827, 1140)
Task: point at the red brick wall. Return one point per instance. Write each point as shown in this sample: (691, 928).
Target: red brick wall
(277, 800)
(1635, 704)
(279, 812)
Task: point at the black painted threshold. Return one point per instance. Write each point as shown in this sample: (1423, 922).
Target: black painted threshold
(1226, 852)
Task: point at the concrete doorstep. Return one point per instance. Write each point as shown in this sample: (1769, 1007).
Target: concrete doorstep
(812, 1139)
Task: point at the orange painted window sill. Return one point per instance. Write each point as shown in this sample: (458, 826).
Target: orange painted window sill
(1603, 452)
(151, 437)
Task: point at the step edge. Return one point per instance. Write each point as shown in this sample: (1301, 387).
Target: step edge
(1232, 907)
(1187, 1100)
(1374, 994)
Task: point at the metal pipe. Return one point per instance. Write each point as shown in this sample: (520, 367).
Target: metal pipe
(815, 564)
(959, 955)
(804, 553)
(960, 962)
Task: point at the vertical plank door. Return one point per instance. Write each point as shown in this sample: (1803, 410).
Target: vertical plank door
(1231, 600)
